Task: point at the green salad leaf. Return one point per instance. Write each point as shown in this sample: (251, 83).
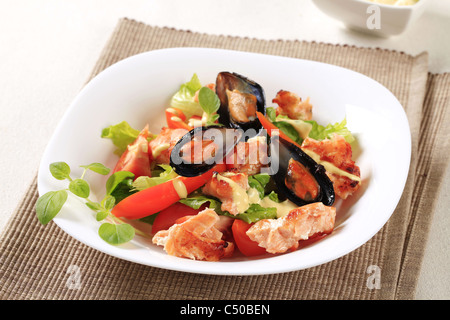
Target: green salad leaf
(259, 182)
(60, 170)
(298, 130)
(116, 234)
(49, 205)
(210, 103)
(197, 201)
(319, 132)
(115, 179)
(256, 212)
(144, 182)
(121, 135)
(97, 168)
(183, 99)
(118, 186)
(123, 190)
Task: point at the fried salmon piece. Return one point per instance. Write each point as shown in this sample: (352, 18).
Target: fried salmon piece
(338, 152)
(195, 238)
(248, 157)
(291, 105)
(231, 189)
(283, 234)
(163, 144)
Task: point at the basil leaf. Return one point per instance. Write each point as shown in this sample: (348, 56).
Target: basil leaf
(80, 188)
(116, 178)
(208, 100)
(98, 168)
(108, 202)
(60, 170)
(93, 205)
(101, 215)
(49, 205)
(116, 234)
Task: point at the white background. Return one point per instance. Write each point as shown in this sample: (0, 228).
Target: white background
(49, 47)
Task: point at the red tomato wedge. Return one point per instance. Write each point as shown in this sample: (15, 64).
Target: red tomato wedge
(269, 126)
(137, 157)
(245, 245)
(154, 199)
(176, 213)
(176, 119)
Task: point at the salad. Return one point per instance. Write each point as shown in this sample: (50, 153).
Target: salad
(226, 173)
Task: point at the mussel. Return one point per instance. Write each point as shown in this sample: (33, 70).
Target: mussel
(202, 148)
(297, 175)
(240, 98)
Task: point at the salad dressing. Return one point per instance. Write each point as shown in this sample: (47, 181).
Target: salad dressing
(240, 196)
(180, 188)
(331, 168)
(283, 208)
(303, 128)
(160, 149)
(177, 119)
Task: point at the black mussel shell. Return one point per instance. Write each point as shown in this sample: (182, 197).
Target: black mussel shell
(181, 155)
(279, 165)
(233, 81)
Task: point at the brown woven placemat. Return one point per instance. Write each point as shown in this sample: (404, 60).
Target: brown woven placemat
(37, 262)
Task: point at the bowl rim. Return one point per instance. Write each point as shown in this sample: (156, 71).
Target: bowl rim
(418, 4)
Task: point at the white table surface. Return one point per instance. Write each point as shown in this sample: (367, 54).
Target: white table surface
(49, 47)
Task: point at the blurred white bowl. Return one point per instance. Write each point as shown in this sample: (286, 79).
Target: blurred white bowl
(360, 15)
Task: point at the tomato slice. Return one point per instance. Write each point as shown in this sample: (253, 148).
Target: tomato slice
(269, 126)
(173, 214)
(176, 119)
(245, 245)
(137, 157)
(155, 199)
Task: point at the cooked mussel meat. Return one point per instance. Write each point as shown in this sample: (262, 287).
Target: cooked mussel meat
(297, 175)
(203, 147)
(240, 98)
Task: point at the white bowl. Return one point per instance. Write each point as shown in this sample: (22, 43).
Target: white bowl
(138, 89)
(359, 15)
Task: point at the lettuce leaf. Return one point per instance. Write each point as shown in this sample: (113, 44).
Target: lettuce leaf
(289, 130)
(121, 135)
(256, 212)
(198, 201)
(319, 132)
(184, 98)
(144, 182)
(259, 182)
